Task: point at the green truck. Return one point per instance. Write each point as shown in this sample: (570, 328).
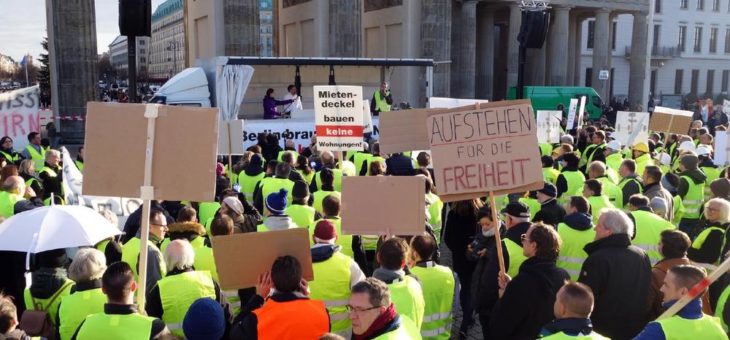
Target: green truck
(552, 97)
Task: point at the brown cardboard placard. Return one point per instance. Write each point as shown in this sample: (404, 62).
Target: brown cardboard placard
(492, 148)
(235, 140)
(383, 205)
(184, 161)
(401, 130)
(241, 258)
(665, 119)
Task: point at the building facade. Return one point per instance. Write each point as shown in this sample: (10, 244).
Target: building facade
(266, 17)
(167, 50)
(690, 50)
(119, 57)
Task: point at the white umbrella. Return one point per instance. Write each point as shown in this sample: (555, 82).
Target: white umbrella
(54, 227)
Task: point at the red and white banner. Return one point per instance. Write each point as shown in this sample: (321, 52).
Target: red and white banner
(338, 117)
(19, 115)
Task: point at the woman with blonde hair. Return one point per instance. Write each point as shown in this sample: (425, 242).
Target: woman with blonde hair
(28, 172)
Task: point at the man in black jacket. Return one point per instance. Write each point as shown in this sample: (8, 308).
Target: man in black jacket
(619, 275)
(550, 212)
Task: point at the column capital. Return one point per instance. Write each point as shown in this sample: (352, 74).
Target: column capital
(603, 10)
(561, 8)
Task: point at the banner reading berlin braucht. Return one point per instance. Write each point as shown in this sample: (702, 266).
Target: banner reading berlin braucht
(492, 148)
(338, 117)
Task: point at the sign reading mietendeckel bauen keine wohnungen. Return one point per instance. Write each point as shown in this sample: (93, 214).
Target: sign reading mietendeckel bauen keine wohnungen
(339, 120)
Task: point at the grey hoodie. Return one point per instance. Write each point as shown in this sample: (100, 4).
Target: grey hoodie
(279, 222)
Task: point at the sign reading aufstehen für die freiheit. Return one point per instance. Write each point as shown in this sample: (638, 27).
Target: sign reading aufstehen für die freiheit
(338, 117)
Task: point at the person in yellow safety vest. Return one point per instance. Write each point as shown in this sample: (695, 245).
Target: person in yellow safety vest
(587, 136)
(405, 289)
(334, 275)
(708, 167)
(371, 301)
(613, 160)
(300, 212)
(597, 152)
(706, 249)
(440, 288)
(641, 155)
(593, 192)
(52, 177)
(630, 183)
(647, 227)
(570, 181)
(86, 297)
(156, 268)
(79, 162)
(328, 162)
(186, 227)
(34, 151)
(288, 147)
(12, 199)
(530, 199)
(546, 149)
(351, 244)
(327, 188)
(653, 187)
(275, 218)
(120, 319)
(50, 283)
(548, 171)
(171, 297)
(378, 160)
(27, 171)
(686, 147)
(572, 309)
(270, 185)
(360, 159)
(690, 322)
(7, 151)
(598, 171)
(382, 100)
(526, 300)
(290, 157)
(304, 169)
(575, 231)
(664, 161)
(551, 212)
(692, 191)
(249, 178)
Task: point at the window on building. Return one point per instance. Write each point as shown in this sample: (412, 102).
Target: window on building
(713, 39)
(614, 29)
(715, 5)
(143, 60)
(710, 81)
(698, 39)
(678, 77)
(727, 40)
(652, 82)
(694, 81)
(725, 79)
(142, 50)
(657, 33)
(657, 6)
(682, 43)
(589, 77)
(683, 4)
(141, 42)
(700, 5)
(591, 33)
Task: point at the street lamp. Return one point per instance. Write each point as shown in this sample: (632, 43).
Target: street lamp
(173, 46)
(534, 26)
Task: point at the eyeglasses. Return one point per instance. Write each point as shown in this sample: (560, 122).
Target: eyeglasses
(351, 309)
(164, 226)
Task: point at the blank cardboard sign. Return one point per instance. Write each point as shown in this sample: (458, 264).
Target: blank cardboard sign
(383, 205)
(241, 258)
(664, 119)
(405, 130)
(235, 139)
(184, 154)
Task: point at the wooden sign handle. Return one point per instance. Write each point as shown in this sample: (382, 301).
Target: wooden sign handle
(147, 194)
(230, 155)
(497, 236)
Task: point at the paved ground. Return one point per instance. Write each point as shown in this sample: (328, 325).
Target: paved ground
(475, 332)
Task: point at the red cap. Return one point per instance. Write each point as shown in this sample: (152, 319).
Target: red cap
(325, 230)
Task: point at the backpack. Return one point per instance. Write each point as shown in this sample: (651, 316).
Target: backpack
(38, 322)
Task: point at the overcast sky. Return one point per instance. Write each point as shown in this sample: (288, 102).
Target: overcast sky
(24, 25)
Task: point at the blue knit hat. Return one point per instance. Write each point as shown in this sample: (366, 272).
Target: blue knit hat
(204, 320)
(276, 202)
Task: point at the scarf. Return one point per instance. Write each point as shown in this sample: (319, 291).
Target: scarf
(380, 322)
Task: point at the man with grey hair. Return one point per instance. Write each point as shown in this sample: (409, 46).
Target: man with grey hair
(180, 288)
(566, 139)
(86, 296)
(370, 301)
(51, 176)
(16, 197)
(619, 275)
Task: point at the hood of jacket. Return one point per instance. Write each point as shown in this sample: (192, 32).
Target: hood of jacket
(186, 228)
(282, 222)
(323, 252)
(46, 281)
(696, 175)
(579, 221)
(569, 326)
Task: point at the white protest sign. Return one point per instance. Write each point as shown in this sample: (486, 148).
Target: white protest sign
(722, 149)
(367, 117)
(572, 110)
(235, 139)
(338, 117)
(581, 110)
(446, 103)
(548, 126)
(726, 106)
(632, 128)
(19, 115)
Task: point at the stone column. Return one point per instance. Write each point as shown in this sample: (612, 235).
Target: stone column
(573, 45)
(72, 62)
(513, 47)
(345, 26)
(464, 73)
(241, 26)
(560, 46)
(637, 70)
(485, 53)
(436, 42)
(601, 51)
(578, 53)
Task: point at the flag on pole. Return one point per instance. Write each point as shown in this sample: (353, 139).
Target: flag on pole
(27, 59)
